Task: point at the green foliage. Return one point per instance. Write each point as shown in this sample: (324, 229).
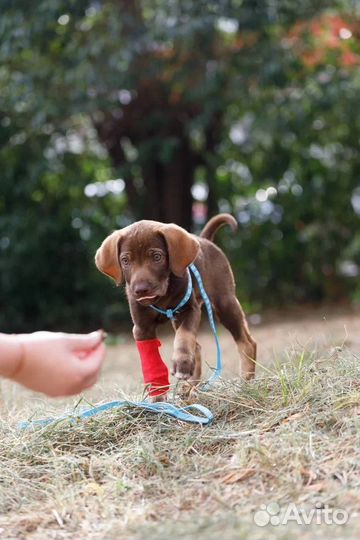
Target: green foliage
(49, 230)
(298, 164)
(254, 100)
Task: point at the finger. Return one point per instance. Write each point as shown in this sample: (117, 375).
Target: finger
(85, 342)
(91, 363)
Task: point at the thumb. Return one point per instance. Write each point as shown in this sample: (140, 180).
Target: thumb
(85, 342)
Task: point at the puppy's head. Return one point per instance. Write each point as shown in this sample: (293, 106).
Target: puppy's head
(144, 254)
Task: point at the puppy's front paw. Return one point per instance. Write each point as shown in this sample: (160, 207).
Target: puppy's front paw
(183, 368)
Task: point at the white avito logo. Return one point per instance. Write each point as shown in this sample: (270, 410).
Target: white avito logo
(320, 515)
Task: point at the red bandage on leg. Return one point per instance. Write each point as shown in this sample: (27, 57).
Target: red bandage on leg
(155, 372)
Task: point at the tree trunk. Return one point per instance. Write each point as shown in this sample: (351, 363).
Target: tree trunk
(177, 183)
(166, 195)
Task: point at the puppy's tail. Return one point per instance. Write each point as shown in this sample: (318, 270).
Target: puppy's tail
(215, 223)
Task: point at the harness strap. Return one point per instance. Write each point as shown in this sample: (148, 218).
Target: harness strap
(170, 313)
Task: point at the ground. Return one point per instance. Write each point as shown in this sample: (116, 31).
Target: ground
(287, 438)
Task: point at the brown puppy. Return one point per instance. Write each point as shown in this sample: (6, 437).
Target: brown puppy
(153, 257)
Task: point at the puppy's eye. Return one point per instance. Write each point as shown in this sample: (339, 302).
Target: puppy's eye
(156, 257)
(124, 260)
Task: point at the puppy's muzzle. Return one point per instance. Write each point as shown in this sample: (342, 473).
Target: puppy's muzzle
(144, 292)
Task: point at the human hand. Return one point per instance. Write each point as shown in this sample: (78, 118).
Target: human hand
(59, 364)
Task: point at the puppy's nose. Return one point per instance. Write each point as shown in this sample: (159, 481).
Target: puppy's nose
(142, 288)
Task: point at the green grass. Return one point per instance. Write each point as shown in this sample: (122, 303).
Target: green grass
(289, 436)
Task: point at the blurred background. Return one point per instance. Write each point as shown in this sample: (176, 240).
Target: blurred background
(114, 111)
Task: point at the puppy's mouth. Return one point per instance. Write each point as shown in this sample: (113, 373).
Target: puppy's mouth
(147, 300)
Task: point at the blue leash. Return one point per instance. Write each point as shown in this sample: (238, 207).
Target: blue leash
(179, 413)
(218, 369)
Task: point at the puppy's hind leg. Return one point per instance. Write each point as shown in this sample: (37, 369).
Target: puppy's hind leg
(231, 315)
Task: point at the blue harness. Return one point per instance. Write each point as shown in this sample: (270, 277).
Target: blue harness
(170, 314)
(185, 414)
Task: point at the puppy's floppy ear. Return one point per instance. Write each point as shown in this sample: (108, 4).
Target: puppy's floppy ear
(107, 257)
(182, 247)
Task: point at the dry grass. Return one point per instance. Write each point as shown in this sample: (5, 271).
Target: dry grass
(288, 436)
